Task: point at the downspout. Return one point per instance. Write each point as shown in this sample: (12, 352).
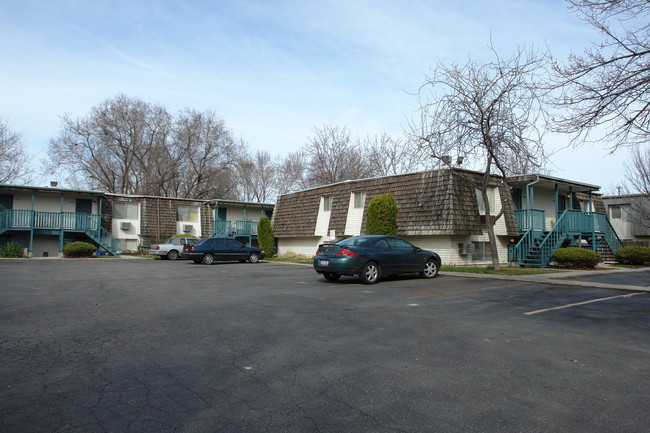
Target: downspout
(31, 232)
(61, 225)
(530, 200)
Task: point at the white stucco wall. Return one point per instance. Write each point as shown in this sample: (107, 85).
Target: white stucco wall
(304, 246)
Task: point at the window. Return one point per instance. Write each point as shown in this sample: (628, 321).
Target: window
(129, 244)
(399, 244)
(619, 211)
(491, 200)
(187, 213)
(481, 252)
(125, 210)
(327, 203)
(359, 200)
(231, 243)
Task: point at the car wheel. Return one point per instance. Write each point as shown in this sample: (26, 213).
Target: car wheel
(331, 276)
(208, 259)
(430, 269)
(370, 273)
(196, 260)
(254, 258)
(172, 255)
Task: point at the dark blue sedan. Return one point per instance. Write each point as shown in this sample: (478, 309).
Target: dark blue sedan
(372, 256)
(210, 250)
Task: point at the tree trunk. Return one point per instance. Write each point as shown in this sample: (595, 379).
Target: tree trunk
(489, 223)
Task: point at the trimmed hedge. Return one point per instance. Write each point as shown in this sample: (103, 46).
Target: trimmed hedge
(265, 236)
(79, 249)
(382, 215)
(576, 258)
(633, 255)
(12, 250)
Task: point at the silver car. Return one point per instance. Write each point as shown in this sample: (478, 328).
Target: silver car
(172, 248)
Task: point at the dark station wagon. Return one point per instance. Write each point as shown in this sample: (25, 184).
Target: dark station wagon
(210, 250)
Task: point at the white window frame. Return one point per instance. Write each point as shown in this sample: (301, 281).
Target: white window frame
(188, 214)
(327, 203)
(359, 199)
(128, 207)
(491, 193)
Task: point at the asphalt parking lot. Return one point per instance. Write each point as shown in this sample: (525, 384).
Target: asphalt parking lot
(157, 346)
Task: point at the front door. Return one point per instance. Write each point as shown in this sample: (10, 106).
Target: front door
(6, 201)
(83, 209)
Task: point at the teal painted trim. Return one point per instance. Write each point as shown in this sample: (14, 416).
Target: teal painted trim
(557, 200)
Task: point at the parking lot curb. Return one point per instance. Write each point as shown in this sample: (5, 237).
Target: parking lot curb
(569, 278)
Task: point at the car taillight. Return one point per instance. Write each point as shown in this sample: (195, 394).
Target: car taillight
(318, 252)
(157, 247)
(346, 252)
(191, 249)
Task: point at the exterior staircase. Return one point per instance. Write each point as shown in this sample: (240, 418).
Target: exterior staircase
(55, 223)
(591, 230)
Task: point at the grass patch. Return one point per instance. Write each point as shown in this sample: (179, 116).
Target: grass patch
(506, 270)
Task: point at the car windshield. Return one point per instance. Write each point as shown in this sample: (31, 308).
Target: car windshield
(356, 242)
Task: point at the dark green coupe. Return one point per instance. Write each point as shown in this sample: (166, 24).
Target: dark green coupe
(372, 256)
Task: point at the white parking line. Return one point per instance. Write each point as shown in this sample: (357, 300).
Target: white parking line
(561, 307)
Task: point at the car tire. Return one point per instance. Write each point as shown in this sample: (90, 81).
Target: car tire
(172, 255)
(430, 269)
(331, 276)
(370, 273)
(254, 257)
(207, 259)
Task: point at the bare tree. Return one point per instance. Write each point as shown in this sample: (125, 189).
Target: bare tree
(113, 147)
(637, 176)
(207, 151)
(334, 157)
(606, 91)
(14, 161)
(291, 174)
(130, 146)
(256, 177)
(387, 156)
(488, 113)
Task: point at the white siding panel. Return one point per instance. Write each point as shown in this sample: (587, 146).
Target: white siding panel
(354, 219)
(303, 246)
(322, 221)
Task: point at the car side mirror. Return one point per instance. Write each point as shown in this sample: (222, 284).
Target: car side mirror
(417, 249)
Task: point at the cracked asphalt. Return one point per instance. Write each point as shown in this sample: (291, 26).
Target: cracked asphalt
(106, 345)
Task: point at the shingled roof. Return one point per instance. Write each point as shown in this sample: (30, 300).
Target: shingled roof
(439, 202)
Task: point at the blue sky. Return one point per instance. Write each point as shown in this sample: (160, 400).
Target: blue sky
(273, 70)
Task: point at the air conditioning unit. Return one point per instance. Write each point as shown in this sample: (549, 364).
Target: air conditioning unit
(187, 228)
(125, 225)
(466, 248)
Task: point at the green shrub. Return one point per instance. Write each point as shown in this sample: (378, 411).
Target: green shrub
(13, 250)
(576, 258)
(265, 236)
(79, 249)
(633, 255)
(382, 215)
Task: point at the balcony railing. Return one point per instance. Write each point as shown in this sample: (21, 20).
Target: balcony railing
(29, 219)
(239, 228)
(531, 219)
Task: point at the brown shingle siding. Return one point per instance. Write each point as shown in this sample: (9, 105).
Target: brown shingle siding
(436, 202)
